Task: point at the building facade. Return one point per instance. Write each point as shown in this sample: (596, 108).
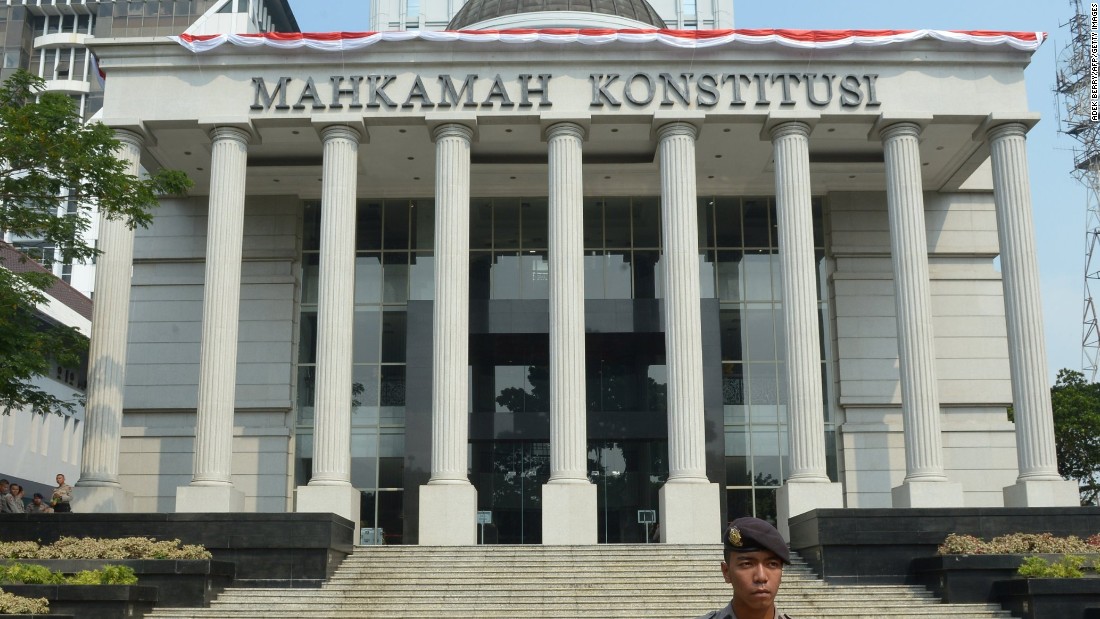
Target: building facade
(567, 279)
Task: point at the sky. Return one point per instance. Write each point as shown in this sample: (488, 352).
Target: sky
(1059, 202)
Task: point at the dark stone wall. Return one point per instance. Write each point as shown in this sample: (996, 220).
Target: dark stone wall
(273, 549)
(879, 545)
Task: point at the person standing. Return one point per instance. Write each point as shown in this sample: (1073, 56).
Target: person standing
(14, 500)
(5, 507)
(62, 496)
(754, 554)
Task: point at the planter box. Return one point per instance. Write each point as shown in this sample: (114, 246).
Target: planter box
(92, 601)
(968, 579)
(1043, 598)
(179, 583)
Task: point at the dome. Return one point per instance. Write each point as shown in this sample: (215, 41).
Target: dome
(500, 14)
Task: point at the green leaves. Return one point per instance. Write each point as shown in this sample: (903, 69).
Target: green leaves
(1076, 405)
(55, 171)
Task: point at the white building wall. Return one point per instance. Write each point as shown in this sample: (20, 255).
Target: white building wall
(37, 447)
(163, 354)
(971, 347)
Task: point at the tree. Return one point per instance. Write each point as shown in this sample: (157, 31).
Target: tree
(54, 172)
(1076, 405)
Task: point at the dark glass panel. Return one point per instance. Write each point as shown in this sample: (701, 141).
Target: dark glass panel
(594, 275)
(646, 217)
(536, 226)
(307, 338)
(423, 222)
(311, 274)
(368, 226)
(506, 275)
(728, 274)
(705, 217)
(727, 223)
(391, 512)
(393, 336)
(593, 223)
(368, 278)
(738, 467)
(307, 385)
(396, 220)
(757, 226)
(738, 504)
(617, 275)
(481, 263)
(645, 274)
(364, 394)
(729, 322)
(617, 222)
(481, 224)
(506, 222)
(422, 277)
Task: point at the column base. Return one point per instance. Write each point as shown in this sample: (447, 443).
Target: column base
(928, 494)
(799, 497)
(569, 514)
(101, 500)
(343, 500)
(223, 498)
(690, 513)
(448, 515)
(1046, 493)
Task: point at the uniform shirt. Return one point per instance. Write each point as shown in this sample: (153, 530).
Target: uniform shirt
(727, 613)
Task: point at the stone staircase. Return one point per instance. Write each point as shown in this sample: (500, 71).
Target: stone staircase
(561, 582)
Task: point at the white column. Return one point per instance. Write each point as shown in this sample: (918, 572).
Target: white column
(211, 488)
(448, 503)
(925, 483)
(569, 499)
(98, 490)
(689, 503)
(808, 486)
(1039, 484)
(330, 488)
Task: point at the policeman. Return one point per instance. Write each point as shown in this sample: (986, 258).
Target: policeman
(754, 555)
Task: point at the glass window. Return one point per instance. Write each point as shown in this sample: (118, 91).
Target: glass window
(393, 336)
(618, 275)
(758, 331)
(481, 263)
(646, 217)
(733, 393)
(756, 275)
(617, 222)
(311, 274)
(307, 384)
(506, 214)
(365, 338)
(392, 395)
(364, 394)
(728, 274)
(706, 275)
(593, 275)
(368, 226)
(396, 219)
(645, 273)
(423, 220)
(593, 223)
(536, 225)
(422, 277)
(756, 224)
(535, 275)
(368, 278)
(481, 224)
(506, 276)
(395, 271)
(727, 223)
(738, 464)
(307, 339)
(766, 456)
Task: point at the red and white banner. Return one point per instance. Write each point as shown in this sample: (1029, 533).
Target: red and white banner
(802, 39)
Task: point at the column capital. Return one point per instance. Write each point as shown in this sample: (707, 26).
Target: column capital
(997, 124)
(678, 128)
(780, 118)
(342, 132)
(131, 137)
(230, 132)
(900, 130)
(565, 128)
(790, 127)
(453, 130)
(1007, 130)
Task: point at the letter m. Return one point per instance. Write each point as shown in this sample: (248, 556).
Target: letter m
(263, 99)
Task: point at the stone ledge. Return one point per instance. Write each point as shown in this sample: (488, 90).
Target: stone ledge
(182, 583)
(1042, 598)
(92, 601)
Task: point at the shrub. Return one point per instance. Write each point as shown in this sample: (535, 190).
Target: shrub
(18, 605)
(1094, 541)
(95, 548)
(1068, 566)
(107, 575)
(1016, 543)
(23, 574)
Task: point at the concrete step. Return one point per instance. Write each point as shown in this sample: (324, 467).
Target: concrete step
(553, 582)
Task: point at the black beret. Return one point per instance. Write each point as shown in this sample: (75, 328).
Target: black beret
(753, 534)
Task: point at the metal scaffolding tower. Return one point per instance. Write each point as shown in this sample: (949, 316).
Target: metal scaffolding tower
(1079, 118)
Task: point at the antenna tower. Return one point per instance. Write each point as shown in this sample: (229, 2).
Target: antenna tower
(1079, 118)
